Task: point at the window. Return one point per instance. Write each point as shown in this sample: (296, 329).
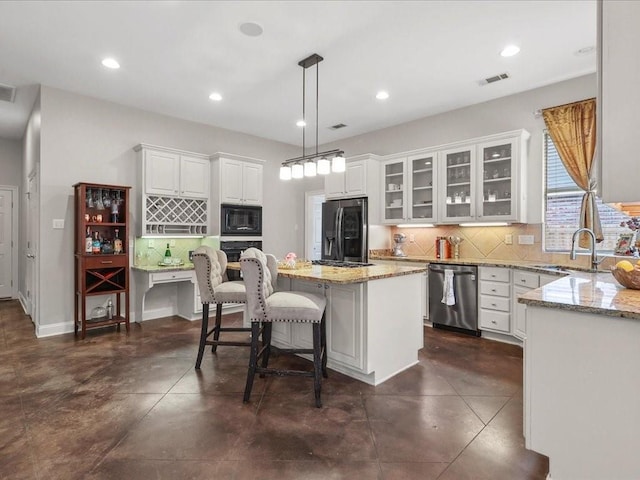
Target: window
(562, 207)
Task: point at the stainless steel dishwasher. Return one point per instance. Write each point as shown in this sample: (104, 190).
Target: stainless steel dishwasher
(462, 316)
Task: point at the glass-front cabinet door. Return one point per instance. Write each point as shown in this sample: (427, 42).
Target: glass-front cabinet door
(458, 173)
(497, 180)
(423, 188)
(393, 179)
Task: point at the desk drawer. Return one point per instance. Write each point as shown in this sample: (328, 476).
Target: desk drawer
(106, 261)
(175, 276)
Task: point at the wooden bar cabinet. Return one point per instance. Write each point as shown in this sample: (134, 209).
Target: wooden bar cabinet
(101, 256)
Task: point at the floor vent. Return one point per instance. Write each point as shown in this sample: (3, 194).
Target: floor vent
(495, 78)
(337, 126)
(7, 93)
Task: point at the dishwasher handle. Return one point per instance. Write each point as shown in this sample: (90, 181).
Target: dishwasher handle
(439, 270)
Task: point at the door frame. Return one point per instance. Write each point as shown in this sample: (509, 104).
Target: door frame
(14, 237)
(31, 246)
(308, 220)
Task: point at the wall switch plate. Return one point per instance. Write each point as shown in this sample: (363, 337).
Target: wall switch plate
(58, 223)
(172, 242)
(152, 243)
(191, 255)
(412, 237)
(508, 239)
(525, 239)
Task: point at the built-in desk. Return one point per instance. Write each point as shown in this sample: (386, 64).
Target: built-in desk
(146, 277)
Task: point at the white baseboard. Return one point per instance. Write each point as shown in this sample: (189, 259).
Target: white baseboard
(23, 302)
(158, 313)
(54, 329)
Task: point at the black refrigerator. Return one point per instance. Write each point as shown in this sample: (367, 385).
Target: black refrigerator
(345, 230)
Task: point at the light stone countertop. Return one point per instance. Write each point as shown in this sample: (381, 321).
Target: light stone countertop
(342, 275)
(159, 268)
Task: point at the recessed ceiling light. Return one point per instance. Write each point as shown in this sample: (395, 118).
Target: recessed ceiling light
(110, 63)
(251, 29)
(301, 123)
(382, 95)
(215, 96)
(510, 51)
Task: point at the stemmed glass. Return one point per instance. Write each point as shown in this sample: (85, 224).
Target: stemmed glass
(90, 199)
(99, 204)
(106, 199)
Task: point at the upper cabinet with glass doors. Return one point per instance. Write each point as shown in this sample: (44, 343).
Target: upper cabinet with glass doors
(410, 186)
(484, 181)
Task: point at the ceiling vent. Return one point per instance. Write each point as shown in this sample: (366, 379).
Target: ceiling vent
(337, 126)
(7, 93)
(495, 78)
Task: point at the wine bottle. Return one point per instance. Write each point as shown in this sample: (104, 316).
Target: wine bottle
(88, 241)
(117, 243)
(167, 252)
(95, 248)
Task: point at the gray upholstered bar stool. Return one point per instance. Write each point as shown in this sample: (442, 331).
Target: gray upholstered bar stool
(265, 306)
(210, 266)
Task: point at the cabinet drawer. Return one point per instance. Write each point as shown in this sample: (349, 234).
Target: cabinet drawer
(492, 320)
(495, 288)
(495, 274)
(526, 279)
(106, 261)
(175, 276)
(494, 303)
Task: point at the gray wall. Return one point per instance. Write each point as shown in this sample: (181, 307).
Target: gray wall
(10, 162)
(496, 116)
(89, 140)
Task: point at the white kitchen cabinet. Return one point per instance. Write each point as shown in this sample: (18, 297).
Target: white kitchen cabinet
(618, 99)
(174, 191)
(495, 299)
(483, 180)
(239, 181)
(409, 189)
(524, 282)
(170, 172)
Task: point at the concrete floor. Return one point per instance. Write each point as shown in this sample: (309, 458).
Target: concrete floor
(114, 406)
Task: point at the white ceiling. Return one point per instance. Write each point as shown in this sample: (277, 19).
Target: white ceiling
(429, 56)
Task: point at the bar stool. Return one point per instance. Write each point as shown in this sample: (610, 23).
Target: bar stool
(210, 266)
(265, 306)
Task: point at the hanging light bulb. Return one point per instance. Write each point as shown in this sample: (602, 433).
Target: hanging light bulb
(310, 168)
(338, 163)
(324, 166)
(297, 171)
(285, 172)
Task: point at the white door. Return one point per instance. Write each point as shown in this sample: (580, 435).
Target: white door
(31, 275)
(252, 184)
(6, 250)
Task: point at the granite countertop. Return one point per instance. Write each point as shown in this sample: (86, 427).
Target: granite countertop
(162, 268)
(344, 275)
(597, 293)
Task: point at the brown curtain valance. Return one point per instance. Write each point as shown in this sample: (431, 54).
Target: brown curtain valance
(572, 128)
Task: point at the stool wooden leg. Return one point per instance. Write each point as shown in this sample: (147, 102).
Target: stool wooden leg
(323, 337)
(317, 362)
(253, 360)
(203, 333)
(216, 331)
(266, 344)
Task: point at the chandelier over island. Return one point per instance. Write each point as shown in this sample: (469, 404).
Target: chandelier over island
(321, 163)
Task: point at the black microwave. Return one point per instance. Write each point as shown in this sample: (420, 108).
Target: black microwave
(245, 220)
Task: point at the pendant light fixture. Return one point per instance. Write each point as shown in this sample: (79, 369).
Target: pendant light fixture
(318, 162)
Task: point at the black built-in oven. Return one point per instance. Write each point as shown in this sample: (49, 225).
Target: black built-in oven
(234, 249)
(240, 220)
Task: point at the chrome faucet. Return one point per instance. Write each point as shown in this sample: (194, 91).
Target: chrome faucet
(594, 258)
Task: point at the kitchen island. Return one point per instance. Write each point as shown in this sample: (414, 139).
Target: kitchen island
(374, 317)
(581, 389)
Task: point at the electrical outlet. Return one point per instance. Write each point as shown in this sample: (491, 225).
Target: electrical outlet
(58, 223)
(508, 239)
(412, 237)
(525, 239)
(152, 243)
(172, 242)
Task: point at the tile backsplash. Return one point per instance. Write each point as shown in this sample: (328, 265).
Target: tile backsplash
(145, 255)
(489, 243)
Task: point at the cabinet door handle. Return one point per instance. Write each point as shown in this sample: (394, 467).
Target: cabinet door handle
(523, 280)
(106, 262)
(493, 289)
(494, 322)
(493, 305)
